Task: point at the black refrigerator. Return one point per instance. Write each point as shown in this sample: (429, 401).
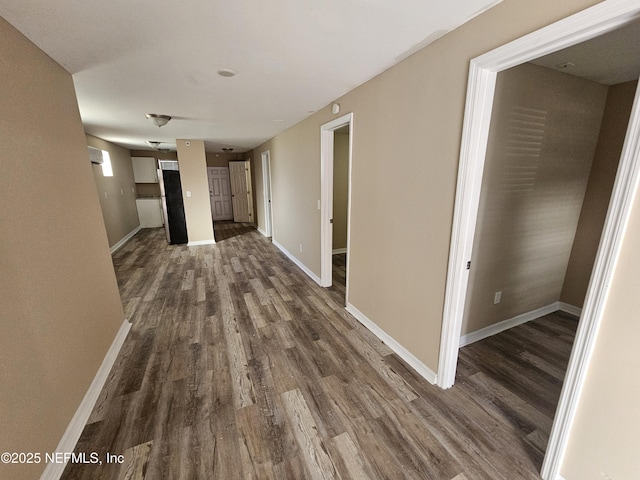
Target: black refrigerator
(175, 223)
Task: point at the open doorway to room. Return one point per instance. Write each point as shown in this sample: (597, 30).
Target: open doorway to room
(340, 209)
(335, 173)
(552, 156)
(593, 22)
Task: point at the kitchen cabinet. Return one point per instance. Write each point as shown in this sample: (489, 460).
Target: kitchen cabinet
(145, 169)
(149, 212)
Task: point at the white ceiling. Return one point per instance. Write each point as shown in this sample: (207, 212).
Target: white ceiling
(292, 57)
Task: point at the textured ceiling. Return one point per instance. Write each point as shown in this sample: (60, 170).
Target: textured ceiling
(608, 59)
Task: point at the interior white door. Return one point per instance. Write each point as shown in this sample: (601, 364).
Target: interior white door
(241, 194)
(220, 193)
(266, 187)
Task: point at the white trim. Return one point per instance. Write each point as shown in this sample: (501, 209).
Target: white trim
(326, 194)
(302, 266)
(337, 251)
(201, 242)
(424, 371)
(53, 471)
(571, 309)
(590, 23)
(264, 234)
(496, 328)
(124, 240)
(267, 194)
(559, 477)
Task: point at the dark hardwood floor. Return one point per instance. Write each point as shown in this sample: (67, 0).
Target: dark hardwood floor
(238, 366)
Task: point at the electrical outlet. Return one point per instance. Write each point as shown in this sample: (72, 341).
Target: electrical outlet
(300, 248)
(106, 195)
(497, 297)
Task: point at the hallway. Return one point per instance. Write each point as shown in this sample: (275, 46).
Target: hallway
(239, 366)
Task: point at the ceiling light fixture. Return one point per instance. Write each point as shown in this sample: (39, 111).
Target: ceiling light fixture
(226, 72)
(158, 120)
(155, 145)
(227, 150)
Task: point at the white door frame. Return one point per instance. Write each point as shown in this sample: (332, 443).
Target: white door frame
(266, 192)
(326, 196)
(590, 23)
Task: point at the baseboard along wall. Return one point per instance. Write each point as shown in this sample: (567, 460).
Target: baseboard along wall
(54, 471)
(517, 320)
(295, 260)
(424, 371)
(124, 239)
(201, 242)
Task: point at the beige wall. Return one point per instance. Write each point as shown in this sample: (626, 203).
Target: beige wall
(295, 191)
(544, 129)
(221, 159)
(60, 303)
(340, 188)
(155, 154)
(604, 439)
(117, 194)
(596, 200)
(406, 141)
(193, 177)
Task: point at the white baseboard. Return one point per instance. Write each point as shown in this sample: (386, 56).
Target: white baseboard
(53, 471)
(337, 251)
(424, 371)
(263, 232)
(507, 324)
(571, 309)
(201, 242)
(517, 320)
(125, 239)
(304, 268)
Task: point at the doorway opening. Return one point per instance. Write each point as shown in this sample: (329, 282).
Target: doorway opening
(340, 209)
(336, 140)
(266, 192)
(591, 23)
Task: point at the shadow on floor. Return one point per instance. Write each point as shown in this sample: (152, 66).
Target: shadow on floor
(225, 229)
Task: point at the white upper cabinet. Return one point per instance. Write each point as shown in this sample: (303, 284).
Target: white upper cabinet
(145, 169)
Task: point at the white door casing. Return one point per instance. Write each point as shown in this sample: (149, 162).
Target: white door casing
(220, 193)
(266, 190)
(242, 197)
(592, 22)
(326, 197)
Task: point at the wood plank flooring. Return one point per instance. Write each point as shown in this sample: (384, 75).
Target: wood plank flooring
(238, 366)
